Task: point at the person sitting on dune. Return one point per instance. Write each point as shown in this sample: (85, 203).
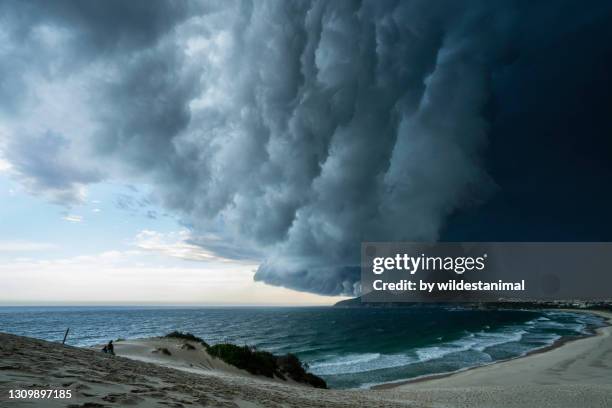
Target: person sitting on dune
(109, 348)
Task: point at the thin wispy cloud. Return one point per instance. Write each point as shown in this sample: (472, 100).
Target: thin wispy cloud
(174, 245)
(73, 218)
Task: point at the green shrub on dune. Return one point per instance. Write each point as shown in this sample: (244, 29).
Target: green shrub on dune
(264, 363)
(293, 367)
(255, 362)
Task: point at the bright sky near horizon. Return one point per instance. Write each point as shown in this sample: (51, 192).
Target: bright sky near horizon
(116, 248)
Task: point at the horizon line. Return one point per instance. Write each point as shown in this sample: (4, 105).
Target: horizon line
(167, 305)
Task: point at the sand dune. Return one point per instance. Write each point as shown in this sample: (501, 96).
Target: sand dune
(577, 374)
(100, 380)
(184, 355)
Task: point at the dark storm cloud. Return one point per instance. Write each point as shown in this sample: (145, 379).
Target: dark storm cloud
(121, 54)
(371, 130)
(146, 105)
(101, 26)
(93, 29)
(44, 165)
(292, 131)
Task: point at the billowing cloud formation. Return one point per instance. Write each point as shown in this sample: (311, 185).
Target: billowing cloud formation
(45, 163)
(289, 131)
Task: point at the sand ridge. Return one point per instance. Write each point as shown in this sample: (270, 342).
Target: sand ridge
(100, 380)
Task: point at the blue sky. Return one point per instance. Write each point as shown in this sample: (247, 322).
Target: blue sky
(104, 251)
(96, 225)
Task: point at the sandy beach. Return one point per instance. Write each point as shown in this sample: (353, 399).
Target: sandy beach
(575, 374)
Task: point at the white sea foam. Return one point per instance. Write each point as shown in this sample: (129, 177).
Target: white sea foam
(474, 341)
(358, 363)
(478, 341)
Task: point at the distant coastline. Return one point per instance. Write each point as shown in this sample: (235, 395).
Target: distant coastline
(573, 305)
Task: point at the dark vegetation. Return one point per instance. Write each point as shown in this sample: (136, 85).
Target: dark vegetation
(293, 367)
(162, 350)
(264, 363)
(257, 362)
(187, 336)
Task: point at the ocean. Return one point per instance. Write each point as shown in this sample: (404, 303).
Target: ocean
(349, 348)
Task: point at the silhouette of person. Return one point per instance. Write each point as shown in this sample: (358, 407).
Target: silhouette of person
(110, 348)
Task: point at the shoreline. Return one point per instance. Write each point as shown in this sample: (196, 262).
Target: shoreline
(566, 375)
(606, 315)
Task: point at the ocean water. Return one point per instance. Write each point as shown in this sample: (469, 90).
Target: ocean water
(349, 348)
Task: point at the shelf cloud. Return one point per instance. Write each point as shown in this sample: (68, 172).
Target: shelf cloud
(291, 131)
